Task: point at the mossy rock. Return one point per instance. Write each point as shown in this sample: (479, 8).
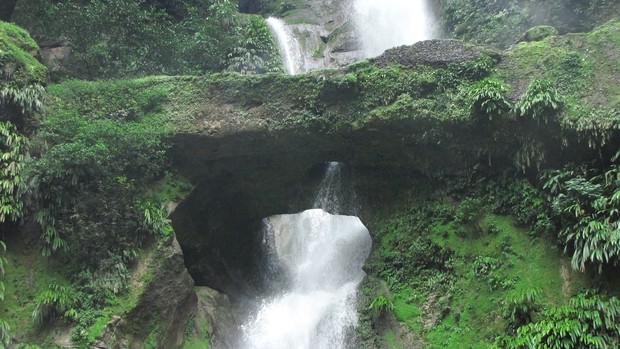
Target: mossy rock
(20, 68)
(538, 33)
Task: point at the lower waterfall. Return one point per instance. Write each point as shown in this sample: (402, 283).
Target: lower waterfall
(321, 255)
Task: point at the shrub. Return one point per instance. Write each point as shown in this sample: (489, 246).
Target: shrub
(122, 38)
(538, 33)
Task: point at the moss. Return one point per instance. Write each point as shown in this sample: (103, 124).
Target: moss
(406, 308)
(539, 32)
(19, 66)
(172, 188)
(28, 274)
(197, 335)
(390, 339)
(526, 263)
(583, 67)
(428, 261)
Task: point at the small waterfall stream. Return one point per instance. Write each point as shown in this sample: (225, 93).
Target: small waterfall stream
(290, 50)
(322, 257)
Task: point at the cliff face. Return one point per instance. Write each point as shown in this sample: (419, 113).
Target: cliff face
(411, 110)
(253, 146)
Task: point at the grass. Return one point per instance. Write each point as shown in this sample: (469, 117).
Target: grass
(406, 308)
(449, 279)
(28, 274)
(526, 263)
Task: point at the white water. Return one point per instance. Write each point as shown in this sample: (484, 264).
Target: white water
(323, 255)
(290, 51)
(383, 24)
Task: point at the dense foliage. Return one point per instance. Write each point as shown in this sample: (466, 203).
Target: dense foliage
(504, 22)
(121, 38)
(474, 258)
(21, 95)
(91, 162)
(587, 321)
(87, 180)
(586, 202)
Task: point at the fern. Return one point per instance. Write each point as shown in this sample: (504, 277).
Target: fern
(588, 204)
(588, 321)
(540, 101)
(29, 99)
(382, 304)
(57, 301)
(488, 98)
(52, 241)
(12, 149)
(520, 309)
(155, 221)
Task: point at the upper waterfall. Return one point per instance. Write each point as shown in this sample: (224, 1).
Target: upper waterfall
(383, 24)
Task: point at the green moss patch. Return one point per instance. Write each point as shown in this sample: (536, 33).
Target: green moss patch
(28, 274)
(19, 66)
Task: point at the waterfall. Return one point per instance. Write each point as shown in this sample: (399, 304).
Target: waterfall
(321, 256)
(290, 51)
(331, 192)
(383, 24)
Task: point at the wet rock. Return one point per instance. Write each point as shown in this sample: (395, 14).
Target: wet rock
(433, 53)
(538, 33)
(215, 309)
(55, 55)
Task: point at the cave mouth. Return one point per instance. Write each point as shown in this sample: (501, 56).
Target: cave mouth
(277, 239)
(220, 226)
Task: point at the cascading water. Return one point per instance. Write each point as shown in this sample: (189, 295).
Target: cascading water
(290, 51)
(322, 257)
(383, 24)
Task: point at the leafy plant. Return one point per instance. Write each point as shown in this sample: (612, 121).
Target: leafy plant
(587, 321)
(540, 101)
(519, 309)
(258, 52)
(121, 38)
(488, 98)
(381, 304)
(28, 98)
(587, 203)
(484, 265)
(486, 268)
(12, 150)
(470, 212)
(155, 221)
(57, 301)
(5, 329)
